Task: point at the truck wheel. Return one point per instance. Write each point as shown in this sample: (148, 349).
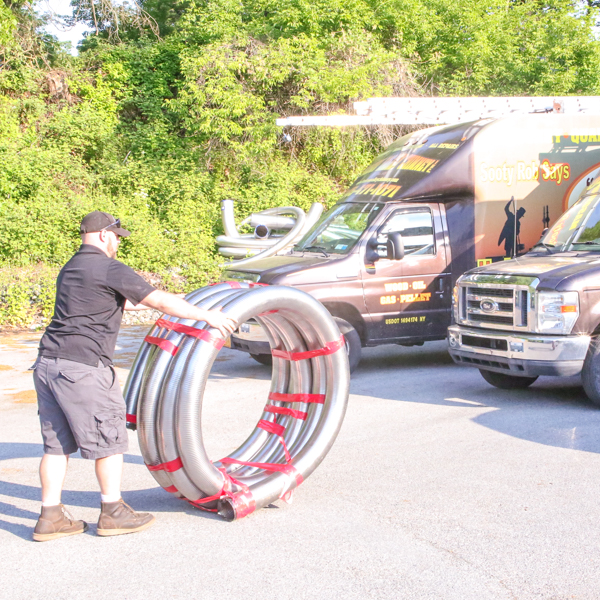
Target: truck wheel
(263, 359)
(505, 381)
(353, 345)
(590, 374)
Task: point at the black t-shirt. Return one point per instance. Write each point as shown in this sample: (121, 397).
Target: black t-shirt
(91, 290)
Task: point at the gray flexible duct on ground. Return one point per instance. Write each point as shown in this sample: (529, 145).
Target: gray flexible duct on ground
(300, 422)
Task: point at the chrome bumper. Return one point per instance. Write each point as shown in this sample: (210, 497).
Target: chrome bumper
(528, 355)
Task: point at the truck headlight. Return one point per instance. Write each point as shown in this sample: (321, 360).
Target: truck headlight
(557, 311)
(455, 303)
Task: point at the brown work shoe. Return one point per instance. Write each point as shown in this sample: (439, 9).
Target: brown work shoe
(56, 522)
(117, 518)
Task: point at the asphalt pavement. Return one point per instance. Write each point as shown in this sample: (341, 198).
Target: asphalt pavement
(438, 487)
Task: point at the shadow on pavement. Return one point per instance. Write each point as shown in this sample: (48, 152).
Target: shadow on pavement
(153, 499)
(554, 411)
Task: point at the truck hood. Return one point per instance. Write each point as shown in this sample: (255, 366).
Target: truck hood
(562, 272)
(273, 269)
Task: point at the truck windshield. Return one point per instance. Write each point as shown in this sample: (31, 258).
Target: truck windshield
(576, 229)
(338, 230)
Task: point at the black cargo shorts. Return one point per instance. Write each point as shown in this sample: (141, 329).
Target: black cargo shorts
(80, 407)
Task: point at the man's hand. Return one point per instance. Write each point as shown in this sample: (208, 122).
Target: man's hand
(216, 319)
(172, 304)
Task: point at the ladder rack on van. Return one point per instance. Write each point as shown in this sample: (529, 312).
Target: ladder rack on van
(439, 111)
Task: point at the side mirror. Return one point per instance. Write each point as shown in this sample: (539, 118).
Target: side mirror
(395, 246)
(371, 254)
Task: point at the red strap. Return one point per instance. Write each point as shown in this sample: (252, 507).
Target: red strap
(278, 430)
(271, 427)
(171, 489)
(162, 344)
(314, 398)
(271, 467)
(206, 500)
(131, 418)
(232, 284)
(329, 348)
(236, 284)
(169, 467)
(243, 501)
(201, 334)
(198, 504)
(225, 490)
(290, 412)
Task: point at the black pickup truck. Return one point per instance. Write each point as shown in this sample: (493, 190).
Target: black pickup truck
(538, 314)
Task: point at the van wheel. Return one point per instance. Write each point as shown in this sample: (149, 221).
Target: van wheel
(506, 382)
(353, 345)
(590, 374)
(263, 359)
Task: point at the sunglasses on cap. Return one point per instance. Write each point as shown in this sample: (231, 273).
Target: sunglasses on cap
(117, 223)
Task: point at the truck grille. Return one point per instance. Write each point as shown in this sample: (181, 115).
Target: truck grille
(497, 292)
(494, 306)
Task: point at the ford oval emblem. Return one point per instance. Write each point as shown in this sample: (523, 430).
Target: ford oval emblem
(488, 305)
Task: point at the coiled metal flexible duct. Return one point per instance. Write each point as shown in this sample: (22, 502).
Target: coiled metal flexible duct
(300, 422)
(234, 245)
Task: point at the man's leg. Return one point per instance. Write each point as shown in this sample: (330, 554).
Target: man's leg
(53, 469)
(92, 399)
(54, 522)
(109, 471)
(116, 517)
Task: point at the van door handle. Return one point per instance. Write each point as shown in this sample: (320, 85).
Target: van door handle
(441, 286)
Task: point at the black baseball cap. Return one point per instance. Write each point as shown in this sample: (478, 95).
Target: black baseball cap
(100, 221)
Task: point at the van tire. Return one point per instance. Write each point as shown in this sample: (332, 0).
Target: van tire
(263, 359)
(590, 374)
(353, 343)
(505, 381)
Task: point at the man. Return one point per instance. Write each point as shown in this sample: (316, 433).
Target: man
(507, 235)
(79, 398)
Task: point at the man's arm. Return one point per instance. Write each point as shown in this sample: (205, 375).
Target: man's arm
(176, 306)
(130, 306)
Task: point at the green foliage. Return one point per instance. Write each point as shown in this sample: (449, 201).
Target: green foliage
(8, 25)
(171, 106)
(26, 295)
(512, 47)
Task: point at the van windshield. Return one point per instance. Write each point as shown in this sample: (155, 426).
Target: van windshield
(338, 230)
(577, 229)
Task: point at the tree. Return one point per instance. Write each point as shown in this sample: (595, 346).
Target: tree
(112, 21)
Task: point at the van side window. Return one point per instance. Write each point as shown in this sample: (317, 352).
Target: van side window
(416, 228)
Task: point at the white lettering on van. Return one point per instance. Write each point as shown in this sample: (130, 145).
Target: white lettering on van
(528, 171)
(504, 174)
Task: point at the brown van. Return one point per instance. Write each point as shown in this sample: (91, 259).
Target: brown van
(385, 258)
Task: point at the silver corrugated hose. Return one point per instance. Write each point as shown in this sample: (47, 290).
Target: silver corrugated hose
(280, 243)
(134, 379)
(312, 216)
(302, 417)
(264, 243)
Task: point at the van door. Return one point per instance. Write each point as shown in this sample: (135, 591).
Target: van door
(410, 298)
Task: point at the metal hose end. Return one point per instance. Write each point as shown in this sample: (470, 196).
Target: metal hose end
(262, 231)
(225, 509)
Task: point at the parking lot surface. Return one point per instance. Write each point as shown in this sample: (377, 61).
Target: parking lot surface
(439, 486)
